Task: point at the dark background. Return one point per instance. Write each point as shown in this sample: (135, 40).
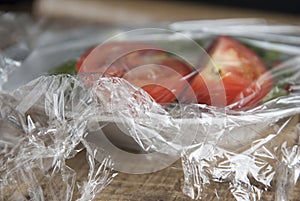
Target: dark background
(16, 5)
(283, 6)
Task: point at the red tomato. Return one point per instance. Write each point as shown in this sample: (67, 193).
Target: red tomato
(81, 59)
(241, 72)
(143, 65)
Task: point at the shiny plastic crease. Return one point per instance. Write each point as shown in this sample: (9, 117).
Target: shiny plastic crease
(43, 125)
(257, 150)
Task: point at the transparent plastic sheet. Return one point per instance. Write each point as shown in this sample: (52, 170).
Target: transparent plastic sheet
(248, 159)
(7, 66)
(258, 150)
(43, 125)
(259, 29)
(24, 40)
(250, 151)
(21, 33)
(14, 43)
(15, 35)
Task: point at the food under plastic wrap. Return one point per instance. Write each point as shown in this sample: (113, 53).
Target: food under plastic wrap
(270, 161)
(257, 149)
(249, 143)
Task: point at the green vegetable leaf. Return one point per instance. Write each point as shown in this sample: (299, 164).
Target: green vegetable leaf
(68, 67)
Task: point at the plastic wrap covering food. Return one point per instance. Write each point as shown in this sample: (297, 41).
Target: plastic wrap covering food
(257, 149)
(43, 125)
(255, 153)
(223, 100)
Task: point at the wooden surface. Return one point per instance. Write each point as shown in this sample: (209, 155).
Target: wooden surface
(165, 185)
(143, 12)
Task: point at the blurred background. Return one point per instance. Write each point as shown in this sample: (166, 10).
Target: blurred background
(143, 12)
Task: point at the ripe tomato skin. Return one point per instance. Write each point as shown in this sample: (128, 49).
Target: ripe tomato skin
(162, 95)
(81, 59)
(241, 72)
(143, 65)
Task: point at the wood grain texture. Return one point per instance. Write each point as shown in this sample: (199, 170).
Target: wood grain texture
(164, 185)
(133, 12)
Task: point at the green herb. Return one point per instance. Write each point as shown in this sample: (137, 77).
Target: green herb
(275, 93)
(68, 67)
(270, 57)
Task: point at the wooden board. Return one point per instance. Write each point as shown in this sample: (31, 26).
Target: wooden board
(164, 185)
(132, 12)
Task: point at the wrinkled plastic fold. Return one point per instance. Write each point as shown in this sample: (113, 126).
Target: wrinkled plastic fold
(43, 125)
(51, 120)
(258, 149)
(250, 157)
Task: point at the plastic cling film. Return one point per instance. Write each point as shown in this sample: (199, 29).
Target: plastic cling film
(270, 161)
(43, 125)
(51, 119)
(7, 66)
(132, 109)
(258, 149)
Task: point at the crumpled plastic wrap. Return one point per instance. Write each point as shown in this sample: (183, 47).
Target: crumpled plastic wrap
(43, 125)
(250, 152)
(50, 120)
(268, 159)
(258, 149)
